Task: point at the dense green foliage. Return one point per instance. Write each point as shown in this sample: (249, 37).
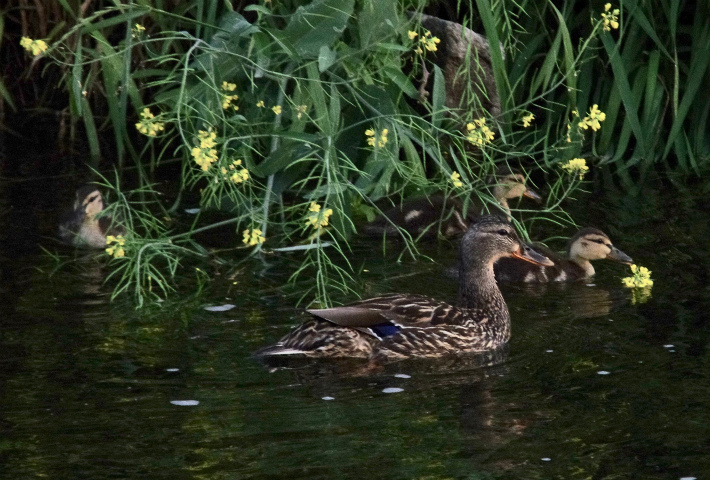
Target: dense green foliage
(294, 118)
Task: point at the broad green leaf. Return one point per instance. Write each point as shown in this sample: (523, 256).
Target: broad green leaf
(317, 24)
(438, 100)
(326, 58)
(402, 81)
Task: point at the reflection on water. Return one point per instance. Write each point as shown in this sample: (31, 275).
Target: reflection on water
(591, 385)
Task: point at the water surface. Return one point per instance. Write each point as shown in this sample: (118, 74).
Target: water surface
(592, 385)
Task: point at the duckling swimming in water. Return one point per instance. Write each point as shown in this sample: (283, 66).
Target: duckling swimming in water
(394, 327)
(587, 245)
(81, 227)
(421, 216)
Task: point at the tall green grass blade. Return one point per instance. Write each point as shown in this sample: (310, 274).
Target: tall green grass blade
(621, 81)
(699, 63)
(501, 78)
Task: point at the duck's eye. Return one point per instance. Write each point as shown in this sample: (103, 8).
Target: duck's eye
(503, 232)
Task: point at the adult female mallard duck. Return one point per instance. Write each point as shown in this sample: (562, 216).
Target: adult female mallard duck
(393, 327)
(82, 227)
(587, 245)
(425, 216)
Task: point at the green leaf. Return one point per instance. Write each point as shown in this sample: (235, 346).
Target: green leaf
(283, 157)
(402, 81)
(375, 21)
(317, 24)
(438, 97)
(326, 58)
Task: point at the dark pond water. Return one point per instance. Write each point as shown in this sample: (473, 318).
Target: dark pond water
(592, 386)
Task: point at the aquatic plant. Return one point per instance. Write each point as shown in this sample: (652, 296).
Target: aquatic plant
(282, 106)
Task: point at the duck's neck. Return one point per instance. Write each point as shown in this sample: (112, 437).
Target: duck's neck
(584, 264)
(478, 290)
(504, 207)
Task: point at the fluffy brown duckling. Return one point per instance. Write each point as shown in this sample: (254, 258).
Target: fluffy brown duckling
(587, 245)
(424, 216)
(83, 227)
(394, 327)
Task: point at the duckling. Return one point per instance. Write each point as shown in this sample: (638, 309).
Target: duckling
(587, 245)
(421, 216)
(393, 327)
(81, 227)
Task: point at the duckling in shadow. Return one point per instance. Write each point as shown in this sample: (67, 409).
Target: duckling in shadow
(424, 217)
(84, 226)
(395, 327)
(587, 245)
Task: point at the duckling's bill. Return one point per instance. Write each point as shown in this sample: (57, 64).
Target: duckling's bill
(530, 193)
(619, 256)
(529, 255)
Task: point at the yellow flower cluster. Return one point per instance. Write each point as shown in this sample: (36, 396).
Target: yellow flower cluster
(373, 138)
(456, 180)
(300, 110)
(426, 40)
(641, 278)
(228, 99)
(611, 20)
(34, 46)
(260, 104)
(276, 109)
(317, 218)
(576, 165)
(238, 175)
(116, 246)
(527, 120)
(205, 155)
(478, 133)
(137, 30)
(592, 120)
(148, 125)
(253, 237)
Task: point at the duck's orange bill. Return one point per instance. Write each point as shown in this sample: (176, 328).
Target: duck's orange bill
(529, 255)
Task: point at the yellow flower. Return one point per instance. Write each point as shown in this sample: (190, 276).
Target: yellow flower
(139, 28)
(34, 46)
(260, 104)
(253, 237)
(148, 125)
(576, 165)
(276, 109)
(456, 180)
(240, 176)
(317, 218)
(478, 133)
(412, 35)
(116, 250)
(429, 42)
(527, 120)
(592, 120)
(641, 282)
(205, 154)
(228, 87)
(380, 140)
(301, 110)
(611, 20)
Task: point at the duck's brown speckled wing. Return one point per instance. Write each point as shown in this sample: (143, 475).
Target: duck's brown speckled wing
(404, 311)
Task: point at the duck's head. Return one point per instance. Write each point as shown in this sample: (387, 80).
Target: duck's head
(89, 201)
(593, 244)
(490, 238)
(508, 185)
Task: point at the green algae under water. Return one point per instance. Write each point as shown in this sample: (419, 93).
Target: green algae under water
(591, 385)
